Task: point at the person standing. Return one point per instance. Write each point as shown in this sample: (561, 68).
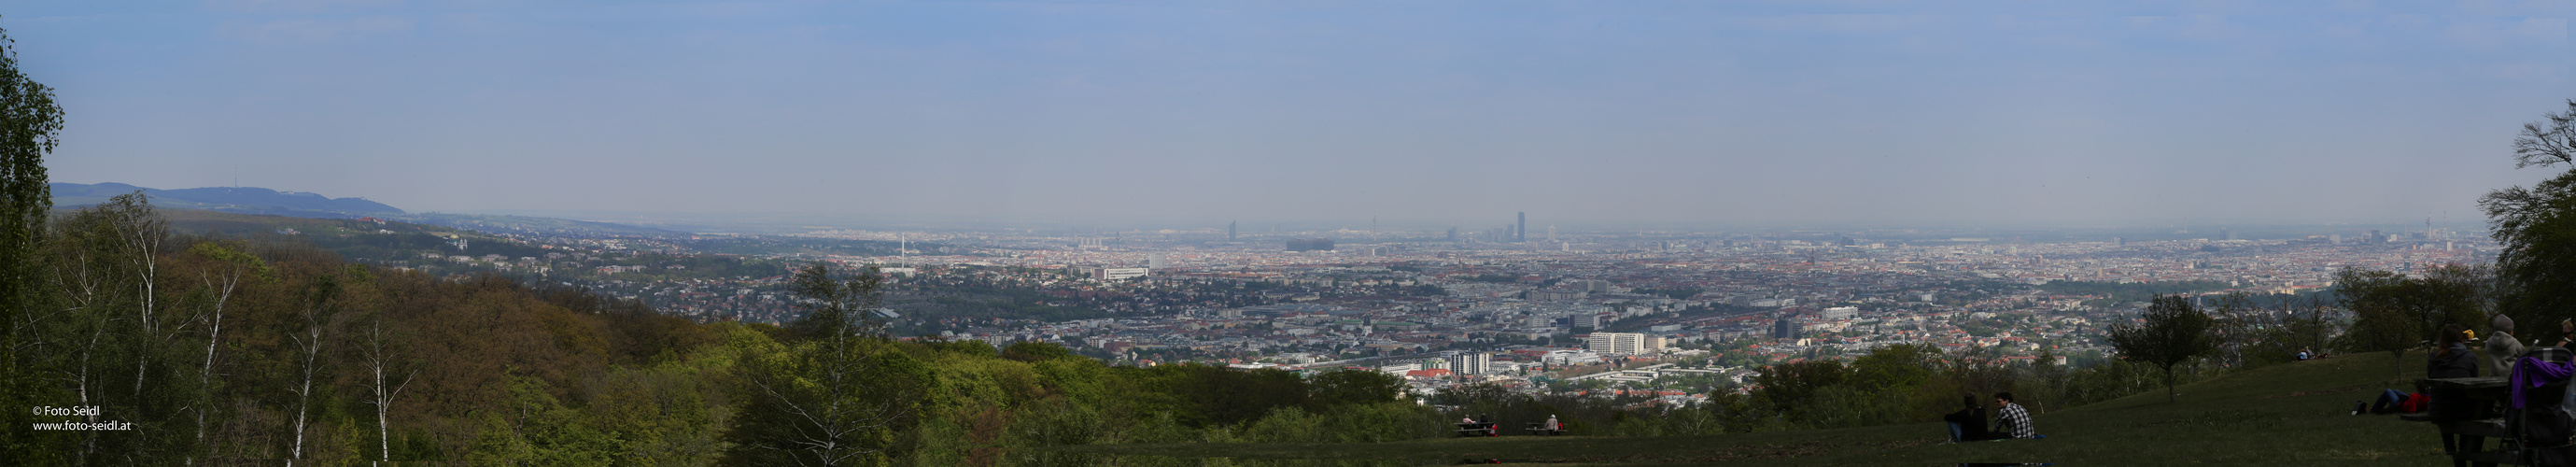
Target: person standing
(2011, 419)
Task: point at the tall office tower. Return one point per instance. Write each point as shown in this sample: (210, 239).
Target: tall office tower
(1521, 233)
(2227, 234)
(1229, 230)
(1154, 261)
(2119, 241)
(1453, 234)
(2375, 237)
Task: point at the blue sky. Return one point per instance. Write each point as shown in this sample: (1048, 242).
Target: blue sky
(1418, 112)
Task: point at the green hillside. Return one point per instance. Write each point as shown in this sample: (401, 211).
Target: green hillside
(2288, 414)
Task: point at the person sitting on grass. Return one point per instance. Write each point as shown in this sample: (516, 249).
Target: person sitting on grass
(1969, 423)
(2010, 419)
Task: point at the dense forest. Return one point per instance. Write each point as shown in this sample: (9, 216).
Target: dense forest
(222, 350)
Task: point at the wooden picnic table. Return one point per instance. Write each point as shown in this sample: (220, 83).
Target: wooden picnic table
(2483, 419)
(1488, 429)
(1541, 427)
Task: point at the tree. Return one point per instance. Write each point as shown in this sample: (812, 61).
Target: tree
(2536, 226)
(29, 122)
(223, 273)
(2393, 313)
(2174, 332)
(318, 322)
(382, 352)
(838, 392)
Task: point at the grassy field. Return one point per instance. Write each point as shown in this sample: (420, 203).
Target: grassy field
(2290, 414)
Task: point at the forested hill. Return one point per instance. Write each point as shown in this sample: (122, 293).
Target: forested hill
(263, 201)
(246, 200)
(151, 346)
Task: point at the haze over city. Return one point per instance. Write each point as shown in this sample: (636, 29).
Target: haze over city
(1419, 113)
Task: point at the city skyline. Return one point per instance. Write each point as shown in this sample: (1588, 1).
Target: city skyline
(1434, 114)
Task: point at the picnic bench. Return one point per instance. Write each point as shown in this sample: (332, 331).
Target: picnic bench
(2475, 409)
(1541, 428)
(1487, 429)
(2477, 420)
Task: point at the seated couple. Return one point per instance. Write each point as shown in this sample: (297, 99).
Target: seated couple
(1969, 423)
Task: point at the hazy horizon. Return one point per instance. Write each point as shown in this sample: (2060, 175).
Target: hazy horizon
(1434, 113)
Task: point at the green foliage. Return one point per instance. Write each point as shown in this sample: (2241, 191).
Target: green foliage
(2536, 226)
(2174, 332)
(30, 121)
(2393, 313)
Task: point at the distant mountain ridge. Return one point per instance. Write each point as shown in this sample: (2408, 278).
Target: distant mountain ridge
(252, 200)
(247, 200)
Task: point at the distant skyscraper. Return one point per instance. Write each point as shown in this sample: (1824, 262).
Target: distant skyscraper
(2119, 241)
(2375, 237)
(1154, 261)
(2228, 234)
(1229, 230)
(1453, 234)
(1521, 232)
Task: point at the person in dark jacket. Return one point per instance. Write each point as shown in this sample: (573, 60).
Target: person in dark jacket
(2452, 360)
(1969, 423)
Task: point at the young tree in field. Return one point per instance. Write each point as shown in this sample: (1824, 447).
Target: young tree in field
(2536, 226)
(836, 393)
(2174, 332)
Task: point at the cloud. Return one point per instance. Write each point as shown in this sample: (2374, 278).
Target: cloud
(308, 31)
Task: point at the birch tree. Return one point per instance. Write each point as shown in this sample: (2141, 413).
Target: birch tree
(389, 373)
(319, 314)
(221, 275)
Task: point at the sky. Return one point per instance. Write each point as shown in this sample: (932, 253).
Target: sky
(1414, 112)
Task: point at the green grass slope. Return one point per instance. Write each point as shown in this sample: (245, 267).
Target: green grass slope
(2289, 414)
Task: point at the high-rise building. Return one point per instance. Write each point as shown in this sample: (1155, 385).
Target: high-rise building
(2375, 237)
(2119, 241)
(1154, 261)
(1471, 363)
(1453, 234)
(1520, 233)
(1616, 343)
(1229, 230)
(1784, 327)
